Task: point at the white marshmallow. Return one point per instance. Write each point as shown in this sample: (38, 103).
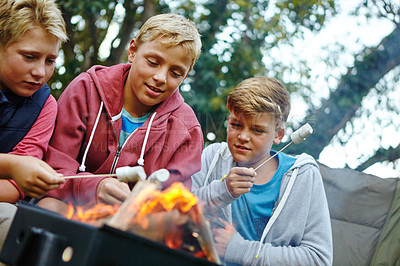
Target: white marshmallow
(161, 175)
(130, 174)
(301, 134)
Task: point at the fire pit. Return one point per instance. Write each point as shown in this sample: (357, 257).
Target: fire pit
(40, 237)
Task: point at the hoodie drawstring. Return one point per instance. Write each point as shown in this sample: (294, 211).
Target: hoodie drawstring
(279, 208)
(140, 161)
(82, 168)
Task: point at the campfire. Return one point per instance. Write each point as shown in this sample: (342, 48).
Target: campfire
(172, 217)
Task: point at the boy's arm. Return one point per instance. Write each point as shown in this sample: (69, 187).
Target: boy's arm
(35, 144)
(186, 160)
(36, 141)
(68, 137)
(33, 176)
(215, 192)
(9, 192)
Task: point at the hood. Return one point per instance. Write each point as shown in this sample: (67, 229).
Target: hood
(304, 159)
(109, 83)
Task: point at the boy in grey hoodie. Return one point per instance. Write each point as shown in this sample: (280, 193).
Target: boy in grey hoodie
(273, 213)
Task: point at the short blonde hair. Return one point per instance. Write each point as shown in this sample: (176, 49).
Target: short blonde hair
(257, 95)
(19, 16)
(174, 30)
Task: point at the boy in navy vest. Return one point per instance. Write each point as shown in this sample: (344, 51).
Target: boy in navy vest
(31, 32)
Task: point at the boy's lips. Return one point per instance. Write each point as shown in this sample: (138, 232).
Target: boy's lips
(155, 89)
(241, 148)
(33, 85)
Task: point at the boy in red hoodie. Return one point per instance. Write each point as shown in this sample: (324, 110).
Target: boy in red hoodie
(129, 115)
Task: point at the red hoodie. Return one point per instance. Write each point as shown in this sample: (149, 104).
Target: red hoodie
(175, 140)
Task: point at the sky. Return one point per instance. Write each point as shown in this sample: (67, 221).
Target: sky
(354, 33)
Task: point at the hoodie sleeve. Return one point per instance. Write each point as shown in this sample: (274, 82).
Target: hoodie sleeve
(185, 160)
(214, 193)
(69, 135)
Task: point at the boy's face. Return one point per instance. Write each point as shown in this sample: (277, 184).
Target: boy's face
(250, 139)
(156, 73)
(26, 65)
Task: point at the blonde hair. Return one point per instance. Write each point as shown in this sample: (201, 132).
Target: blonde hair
(254, 96)
(172, 30)
(19, 16)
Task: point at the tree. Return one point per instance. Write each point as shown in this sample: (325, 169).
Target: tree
(237, 39)
(370, 66)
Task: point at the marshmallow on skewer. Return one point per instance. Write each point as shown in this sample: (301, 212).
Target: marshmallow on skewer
(161, 175)
(130, 174)
(297, 137)
(301, 134)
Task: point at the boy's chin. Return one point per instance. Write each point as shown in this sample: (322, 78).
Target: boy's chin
(241, 161)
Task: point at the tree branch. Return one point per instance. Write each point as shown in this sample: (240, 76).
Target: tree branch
(381, 155)
(124, 34)
(343, 103)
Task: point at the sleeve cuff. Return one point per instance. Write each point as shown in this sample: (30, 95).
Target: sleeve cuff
(21, 194)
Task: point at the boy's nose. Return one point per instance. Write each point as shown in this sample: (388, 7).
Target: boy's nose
(243, 135)
(39, 70)
(161, 76)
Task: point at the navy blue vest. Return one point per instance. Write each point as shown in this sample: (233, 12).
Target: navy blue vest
(18, 114)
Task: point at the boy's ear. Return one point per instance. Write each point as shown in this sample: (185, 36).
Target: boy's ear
(132, 50)
(279, 136)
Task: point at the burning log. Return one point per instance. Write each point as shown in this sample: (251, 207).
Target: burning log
(166, 216)
(124, 216)
(172, 216)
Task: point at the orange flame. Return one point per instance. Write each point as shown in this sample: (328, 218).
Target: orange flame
(90, 215)
(177, 196)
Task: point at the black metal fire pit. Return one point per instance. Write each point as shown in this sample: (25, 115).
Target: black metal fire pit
(42, 238)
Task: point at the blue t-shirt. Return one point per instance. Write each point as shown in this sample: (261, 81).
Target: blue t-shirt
(251, 212)
(129, 124)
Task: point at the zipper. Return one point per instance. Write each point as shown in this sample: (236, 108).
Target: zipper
(114, 164)
(119, 149)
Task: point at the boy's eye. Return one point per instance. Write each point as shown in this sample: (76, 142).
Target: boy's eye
(51, 60)
(176, 74)
(235, 125)
(259, 131)
(28, 56)
(152, 62)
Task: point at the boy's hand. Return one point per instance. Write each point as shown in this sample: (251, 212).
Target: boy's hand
(33, 176)
(222, 236)
(240, 180)
(112, 191)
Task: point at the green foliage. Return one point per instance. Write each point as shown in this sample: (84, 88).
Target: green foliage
(238, 37)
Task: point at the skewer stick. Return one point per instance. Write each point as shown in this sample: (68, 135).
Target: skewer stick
(298, 136)
(87, 176)
(273, 156)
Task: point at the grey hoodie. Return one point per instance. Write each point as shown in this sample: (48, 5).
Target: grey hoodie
(299, 230)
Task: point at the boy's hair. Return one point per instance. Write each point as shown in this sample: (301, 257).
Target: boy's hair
(19, 16)
(174, 30)
(254, 96)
